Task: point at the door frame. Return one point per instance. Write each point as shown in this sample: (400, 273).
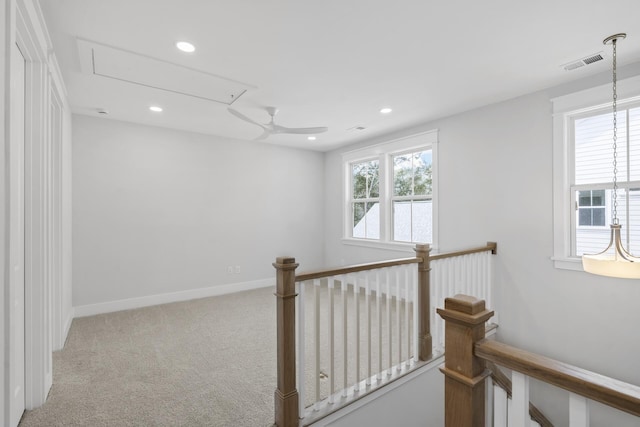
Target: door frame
(33, 42)
(47, 202)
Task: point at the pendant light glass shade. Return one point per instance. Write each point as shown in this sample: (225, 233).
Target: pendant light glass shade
(615, 260)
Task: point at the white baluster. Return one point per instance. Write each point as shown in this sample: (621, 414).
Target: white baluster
(500, 411)
(437, 278)
(368, 311)
(483, 278)
(416, 320)
(462, 285)
(356, 297)
(389, 326)
(398, 322)
(519, 416)
(344, 335)
(301, 348)
(578, 411)
(316, 297)
(476, 277)
(490, 284)
(488, 408)
(451, 283)
(332, 372)
(407, 270)
(379, 315)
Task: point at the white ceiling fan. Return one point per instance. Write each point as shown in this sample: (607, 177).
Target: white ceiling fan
(271, 128)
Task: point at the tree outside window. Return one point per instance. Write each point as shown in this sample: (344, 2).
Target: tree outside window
(365, 178)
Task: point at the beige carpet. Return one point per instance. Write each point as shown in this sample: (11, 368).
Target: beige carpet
(208, 362)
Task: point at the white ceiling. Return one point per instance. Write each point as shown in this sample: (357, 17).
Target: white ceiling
(335, 63)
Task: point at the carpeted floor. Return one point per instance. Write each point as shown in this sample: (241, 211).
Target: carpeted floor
(207, 362)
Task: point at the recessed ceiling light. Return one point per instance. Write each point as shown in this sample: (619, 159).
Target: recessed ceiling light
(186, 47)
(155, 109)
(311, 138)
(386, 110)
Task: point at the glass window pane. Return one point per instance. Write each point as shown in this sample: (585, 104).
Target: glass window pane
(359, 180)
(402, 175)
(374, 179)
(597, 198)
(422, 178)
(597, 215)
(402, 221)
(584, 199)
(422, 221)
(359, 226)
(584, 216)
(365, 179)
(372, 221)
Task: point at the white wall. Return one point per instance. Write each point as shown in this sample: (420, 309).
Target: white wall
(157, 211)
(417, 402)
(495, 166)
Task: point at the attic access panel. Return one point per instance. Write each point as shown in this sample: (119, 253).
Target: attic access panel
(107, 61)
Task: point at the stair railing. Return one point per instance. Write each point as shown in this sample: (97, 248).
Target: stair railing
(384, 307)
(465, 373)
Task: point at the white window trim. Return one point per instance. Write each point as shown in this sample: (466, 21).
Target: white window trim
(565, 109)
(383, 153)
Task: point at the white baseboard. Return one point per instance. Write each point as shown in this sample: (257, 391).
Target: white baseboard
(146, 301)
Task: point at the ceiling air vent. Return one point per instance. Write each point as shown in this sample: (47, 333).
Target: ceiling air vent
(588, 60)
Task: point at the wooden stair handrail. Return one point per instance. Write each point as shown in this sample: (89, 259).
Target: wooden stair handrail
(490, 246)
(503, 381)
(615, 393)
(355, 268)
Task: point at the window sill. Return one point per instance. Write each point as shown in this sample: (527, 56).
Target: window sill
(376, 244)
(573, 263)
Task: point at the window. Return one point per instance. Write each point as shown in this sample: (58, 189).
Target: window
(583, 172)
(390, 192)
(591, 208)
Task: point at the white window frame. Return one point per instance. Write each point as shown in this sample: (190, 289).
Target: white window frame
(565, 110)
(384, 153)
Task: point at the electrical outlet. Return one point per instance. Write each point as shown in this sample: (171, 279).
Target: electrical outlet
(237, 269)
(229, 269)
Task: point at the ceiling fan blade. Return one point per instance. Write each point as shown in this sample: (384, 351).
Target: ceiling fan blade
(245, 118)
(282, 129)
(264, 135)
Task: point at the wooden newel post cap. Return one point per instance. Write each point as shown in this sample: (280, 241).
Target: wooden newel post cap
(285, 263)
(422, 247)
(465, 309)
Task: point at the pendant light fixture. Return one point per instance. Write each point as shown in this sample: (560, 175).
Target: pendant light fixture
(615, 260)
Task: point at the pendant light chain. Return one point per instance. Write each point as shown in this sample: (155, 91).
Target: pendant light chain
(615, 136)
